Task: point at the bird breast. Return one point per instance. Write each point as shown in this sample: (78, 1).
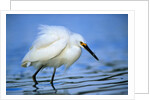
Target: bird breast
(71, 55)
(67, 57)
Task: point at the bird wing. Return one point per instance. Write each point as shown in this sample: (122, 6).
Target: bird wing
(45, 52)
(50, 43)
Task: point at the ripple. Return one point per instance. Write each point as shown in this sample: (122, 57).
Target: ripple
(90, 81)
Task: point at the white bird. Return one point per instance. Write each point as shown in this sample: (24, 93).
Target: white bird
(54, 47)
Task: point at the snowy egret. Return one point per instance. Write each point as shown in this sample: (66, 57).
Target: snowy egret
(55, 46)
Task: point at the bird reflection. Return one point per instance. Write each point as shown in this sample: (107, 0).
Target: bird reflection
(36, 88)
(54, 88)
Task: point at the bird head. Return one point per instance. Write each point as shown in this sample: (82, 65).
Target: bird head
(85, 46)
(79, 40)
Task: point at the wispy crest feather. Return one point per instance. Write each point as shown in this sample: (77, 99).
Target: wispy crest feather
(48, 34)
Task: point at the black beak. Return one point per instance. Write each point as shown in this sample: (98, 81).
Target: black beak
(89, 50)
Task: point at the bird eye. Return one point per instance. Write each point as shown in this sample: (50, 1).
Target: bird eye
(83, 44)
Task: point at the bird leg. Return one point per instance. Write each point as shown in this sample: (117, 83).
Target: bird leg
(34, 76)
(52, 79)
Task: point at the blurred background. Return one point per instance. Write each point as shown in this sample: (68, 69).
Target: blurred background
(106, 35)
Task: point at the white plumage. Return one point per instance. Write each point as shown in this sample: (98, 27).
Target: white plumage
(55, 46)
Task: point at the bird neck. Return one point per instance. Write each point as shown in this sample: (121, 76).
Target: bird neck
(72, 41)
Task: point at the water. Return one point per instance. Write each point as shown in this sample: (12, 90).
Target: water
(107, 79)
(106, 35)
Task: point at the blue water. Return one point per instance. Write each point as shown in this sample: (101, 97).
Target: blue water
(106, 35)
